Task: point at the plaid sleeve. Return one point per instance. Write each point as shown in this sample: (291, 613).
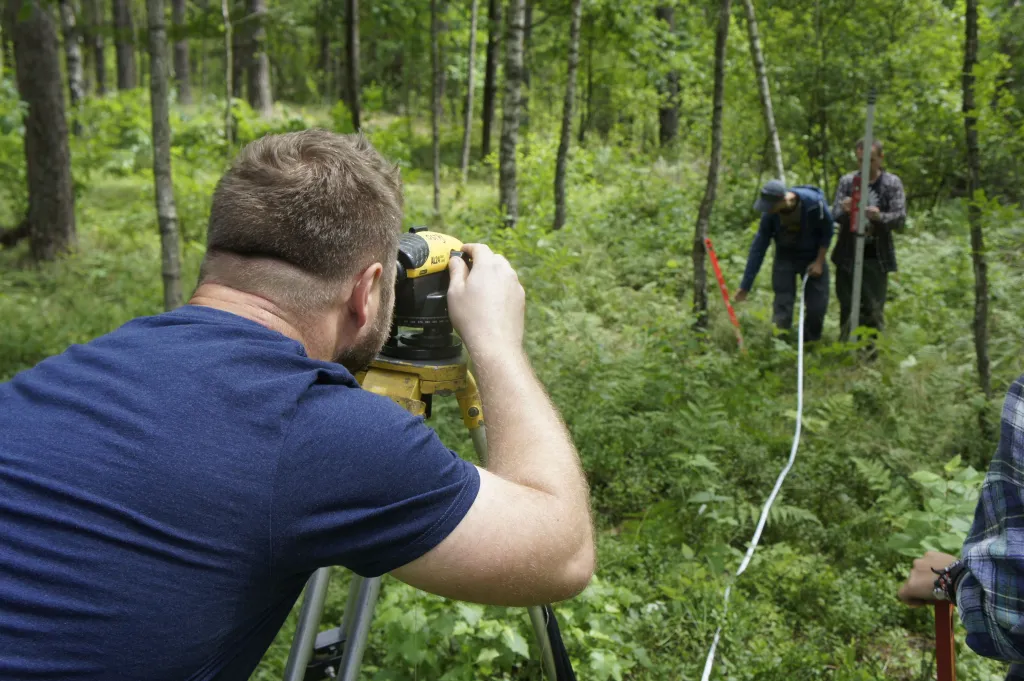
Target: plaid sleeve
(894, 201)
(843, 190)
(991, 595)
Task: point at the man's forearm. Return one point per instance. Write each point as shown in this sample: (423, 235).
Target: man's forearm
(822, 252)
(527, 441)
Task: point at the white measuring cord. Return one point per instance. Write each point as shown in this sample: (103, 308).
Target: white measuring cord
(778, 483)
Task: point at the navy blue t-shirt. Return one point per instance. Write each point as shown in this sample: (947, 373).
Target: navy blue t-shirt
(167, 489)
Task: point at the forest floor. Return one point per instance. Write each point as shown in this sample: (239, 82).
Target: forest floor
(681, 435)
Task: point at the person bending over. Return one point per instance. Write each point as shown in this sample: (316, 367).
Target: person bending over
(167, 489)
(800, 223)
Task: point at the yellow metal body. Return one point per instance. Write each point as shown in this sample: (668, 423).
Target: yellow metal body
(407, 381)
(441, 247)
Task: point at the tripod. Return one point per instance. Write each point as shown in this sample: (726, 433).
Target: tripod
(337, 653)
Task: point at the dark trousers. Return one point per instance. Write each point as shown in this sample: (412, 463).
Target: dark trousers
(787, 277)
(874, 287)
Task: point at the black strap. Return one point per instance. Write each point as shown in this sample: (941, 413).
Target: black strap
(563, 666)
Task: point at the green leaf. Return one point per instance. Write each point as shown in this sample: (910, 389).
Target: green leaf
(515, 642)
(486, 655)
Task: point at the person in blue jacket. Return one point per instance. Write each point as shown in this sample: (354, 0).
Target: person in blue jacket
(799, 221)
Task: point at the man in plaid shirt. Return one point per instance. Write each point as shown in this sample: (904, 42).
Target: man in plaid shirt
(987, 583)
(886, 212)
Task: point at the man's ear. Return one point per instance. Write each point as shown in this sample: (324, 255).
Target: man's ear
(366, 287)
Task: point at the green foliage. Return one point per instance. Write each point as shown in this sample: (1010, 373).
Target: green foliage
(945, 520)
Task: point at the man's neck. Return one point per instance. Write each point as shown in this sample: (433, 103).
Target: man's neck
(257, 309)
(875, 174)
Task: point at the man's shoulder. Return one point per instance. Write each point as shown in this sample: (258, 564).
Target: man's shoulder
(848, 177)
(889, 177)
(336, 412)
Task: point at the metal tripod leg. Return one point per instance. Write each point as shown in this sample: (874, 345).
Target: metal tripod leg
(353, 633)
(307, 626)
(362, 598)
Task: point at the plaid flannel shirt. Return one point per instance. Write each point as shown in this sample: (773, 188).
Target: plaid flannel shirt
(990, 595)
(892, 203)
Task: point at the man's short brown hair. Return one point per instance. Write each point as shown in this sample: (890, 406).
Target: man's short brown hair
(326, 204)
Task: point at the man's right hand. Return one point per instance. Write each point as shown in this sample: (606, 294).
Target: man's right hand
(487, 304)
(846, 204)
(740, 296)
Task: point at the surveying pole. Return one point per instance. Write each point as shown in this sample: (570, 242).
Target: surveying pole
(861, 217)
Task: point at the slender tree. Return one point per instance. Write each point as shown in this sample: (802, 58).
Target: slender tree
(229, 70)
(260, 97)
(978, 256)
(570, 98)
(182, 68)
(467, 134)
(507, 189)
(700, 279)
(239, 48)
(668, 112)
(124, 42)
(72, 53)
(167, 214)
(435, 106)
(50, 223)
(588, 96)
(352, 26)
(762, 85)
(490, 73)
(96, 42)
(524, 96)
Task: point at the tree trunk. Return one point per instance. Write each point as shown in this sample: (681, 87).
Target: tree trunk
(435, 105)
(570, 98)
(508, 192)
(167, 214)
(238, 53)
(467, 135)
(124, 41)
(490, 74)
(822, 100)
(973, 209)
(229, 132)
(51, 201)
(352, 17)
(137, 40)
(524, 99)
(182, 69)
(668, 112)
(260, 98)
(585, 107)
(96, 42)
(762, 85)
(204, 57)
(72, 53)
(700, 283)
(323, 38)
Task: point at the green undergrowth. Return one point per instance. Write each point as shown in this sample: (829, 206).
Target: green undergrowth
(681, 434)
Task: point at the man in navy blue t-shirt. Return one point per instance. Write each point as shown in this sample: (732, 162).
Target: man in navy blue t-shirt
(167, 489)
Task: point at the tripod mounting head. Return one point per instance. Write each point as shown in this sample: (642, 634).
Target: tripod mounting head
(421, 298)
